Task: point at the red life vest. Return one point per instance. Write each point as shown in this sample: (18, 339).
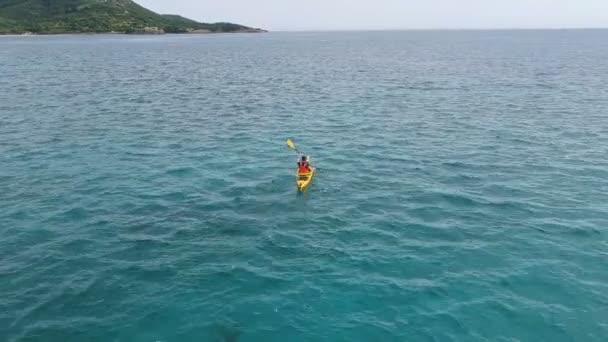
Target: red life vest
(303, 167)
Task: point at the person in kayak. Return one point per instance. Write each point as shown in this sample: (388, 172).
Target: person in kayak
(303, 164)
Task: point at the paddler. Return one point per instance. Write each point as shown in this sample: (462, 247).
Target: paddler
(303, 164)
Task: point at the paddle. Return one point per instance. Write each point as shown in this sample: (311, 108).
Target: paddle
(292, 145)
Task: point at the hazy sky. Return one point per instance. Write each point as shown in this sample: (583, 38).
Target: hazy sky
(391, 14)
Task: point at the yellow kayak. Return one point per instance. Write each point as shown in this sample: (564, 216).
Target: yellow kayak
(303, 180)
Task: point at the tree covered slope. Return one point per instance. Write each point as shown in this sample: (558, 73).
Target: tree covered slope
(82, 16)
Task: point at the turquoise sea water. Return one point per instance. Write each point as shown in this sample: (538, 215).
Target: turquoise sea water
(146, 192)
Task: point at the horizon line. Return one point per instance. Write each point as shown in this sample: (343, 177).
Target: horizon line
(441, 29)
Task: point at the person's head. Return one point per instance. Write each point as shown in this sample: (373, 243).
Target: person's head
(303, 158)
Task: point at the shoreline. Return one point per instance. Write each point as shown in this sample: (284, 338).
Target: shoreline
(30, 34)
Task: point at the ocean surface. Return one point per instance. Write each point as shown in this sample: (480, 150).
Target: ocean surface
(147, 194)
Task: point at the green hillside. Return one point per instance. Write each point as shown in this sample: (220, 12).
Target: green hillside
(94, 16)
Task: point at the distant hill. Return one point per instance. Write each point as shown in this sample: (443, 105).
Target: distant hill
(97, 16)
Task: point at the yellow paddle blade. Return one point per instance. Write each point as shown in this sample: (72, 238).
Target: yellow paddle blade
(290, 144)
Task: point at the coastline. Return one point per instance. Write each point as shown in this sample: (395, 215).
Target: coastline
(127, 34)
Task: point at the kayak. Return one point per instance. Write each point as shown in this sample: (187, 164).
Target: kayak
(304, 179)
